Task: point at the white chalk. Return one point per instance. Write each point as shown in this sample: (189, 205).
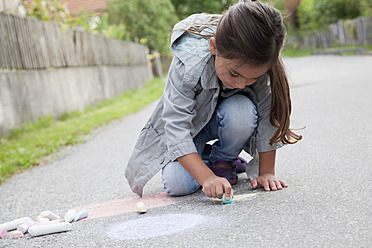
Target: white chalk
(81, 215)
(30, 223)
(42, 220)
(12, 225)
(49, 229)
(69, 216)
(141, 208)
(50, 215)
(22, 228)
(3, 233)
(17, 234)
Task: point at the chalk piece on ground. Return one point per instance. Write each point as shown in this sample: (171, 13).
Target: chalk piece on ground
(50, 215)
(81, 215)
(12, 225)
(141, 208)
(49, 229)
(17, 234)
(30, 223)
(42, 221)
(230, 201)
(22, 228)
(69, 216)
(3, 233)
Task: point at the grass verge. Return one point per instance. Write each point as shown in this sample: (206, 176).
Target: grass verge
(28, 145)
(297, 52)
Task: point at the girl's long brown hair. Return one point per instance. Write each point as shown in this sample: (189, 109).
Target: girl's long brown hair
(254, 33)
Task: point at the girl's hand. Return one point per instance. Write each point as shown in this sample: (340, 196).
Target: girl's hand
(215, 186)
(268, 181)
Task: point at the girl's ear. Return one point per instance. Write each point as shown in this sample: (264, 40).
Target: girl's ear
(213, 47)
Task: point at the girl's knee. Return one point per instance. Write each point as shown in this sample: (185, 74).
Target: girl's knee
(177, 181)
(239, 113)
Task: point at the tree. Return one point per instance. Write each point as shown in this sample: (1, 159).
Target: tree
(185, 8)
(145, 21)
(315, 14)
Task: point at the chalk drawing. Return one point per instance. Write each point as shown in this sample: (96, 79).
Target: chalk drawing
(155, 226)
(237, 198)
(126, 205)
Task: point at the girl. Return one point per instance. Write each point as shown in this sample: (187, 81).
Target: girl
(226, 83)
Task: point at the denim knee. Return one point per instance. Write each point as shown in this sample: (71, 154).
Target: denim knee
(238, 113)
(177, 181)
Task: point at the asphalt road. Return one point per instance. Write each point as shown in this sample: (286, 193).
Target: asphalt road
(327, 203)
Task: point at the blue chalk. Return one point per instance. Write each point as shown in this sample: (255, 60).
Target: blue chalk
(81, 215)
(227, 201)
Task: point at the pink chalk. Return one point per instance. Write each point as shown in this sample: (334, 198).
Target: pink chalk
(17, 234)
(126, 205)
(3, 233)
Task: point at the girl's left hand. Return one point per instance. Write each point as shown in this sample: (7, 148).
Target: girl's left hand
(268, 181)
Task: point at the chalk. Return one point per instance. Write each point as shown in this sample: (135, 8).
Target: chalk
(17, 234)
(81, 215)
(141, 208)
(3, 233)
(30, 223)
(42, 220)
(12, 225)
(22, 228)
(69, 216)
(226, 201)
(49, 229)
(50, 215)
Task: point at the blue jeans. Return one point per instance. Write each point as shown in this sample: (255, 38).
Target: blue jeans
(231, 125)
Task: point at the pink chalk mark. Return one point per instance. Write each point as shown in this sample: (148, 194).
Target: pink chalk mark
(126, 205)
(3, 233)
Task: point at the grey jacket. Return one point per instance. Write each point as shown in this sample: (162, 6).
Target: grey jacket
(188, 102)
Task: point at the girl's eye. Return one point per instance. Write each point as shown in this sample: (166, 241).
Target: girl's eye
(233, 75)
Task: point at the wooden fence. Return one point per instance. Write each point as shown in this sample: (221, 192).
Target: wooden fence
(351, 32)
(45, 70)
(26, 43)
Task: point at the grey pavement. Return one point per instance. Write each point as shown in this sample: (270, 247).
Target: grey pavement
(327, 203)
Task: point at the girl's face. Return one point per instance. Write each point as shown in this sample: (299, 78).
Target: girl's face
(232, 73)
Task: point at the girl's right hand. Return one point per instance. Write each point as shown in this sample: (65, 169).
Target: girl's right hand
(215, 186)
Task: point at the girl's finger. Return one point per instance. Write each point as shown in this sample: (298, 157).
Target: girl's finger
(219, 191)
(229, 192)
(283, 184)
(278, 184)
(207, 192)
(254, 183)
(266, 185)
(273, 185)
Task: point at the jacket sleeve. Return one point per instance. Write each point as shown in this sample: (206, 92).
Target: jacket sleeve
(265, 130)
(179, 111)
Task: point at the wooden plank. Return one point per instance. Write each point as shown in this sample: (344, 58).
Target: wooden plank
(71, 47)
(77, 44)
(33, 42)
(50, 45)
(19, 24)
(11, 40)
(43, 45)
(59, 55)
(4, 57)
(38, 44)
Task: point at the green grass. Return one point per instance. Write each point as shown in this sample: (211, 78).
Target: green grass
(291, 52)
(296, 52)
(28, 145)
